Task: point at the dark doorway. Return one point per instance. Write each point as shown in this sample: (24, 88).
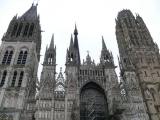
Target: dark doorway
(93, 103)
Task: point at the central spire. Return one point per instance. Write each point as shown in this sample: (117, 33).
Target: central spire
(75, 30)
(76, 37)
(73, 56)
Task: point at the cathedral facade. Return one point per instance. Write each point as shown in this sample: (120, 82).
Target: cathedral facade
(89, 90)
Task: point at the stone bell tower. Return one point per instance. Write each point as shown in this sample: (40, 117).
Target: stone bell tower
(140, 66)
(45, 97)
(72, 69)
(20, 55)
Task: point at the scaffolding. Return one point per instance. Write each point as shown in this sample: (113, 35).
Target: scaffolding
(95, 109)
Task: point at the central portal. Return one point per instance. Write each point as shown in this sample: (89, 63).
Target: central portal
(93, 103)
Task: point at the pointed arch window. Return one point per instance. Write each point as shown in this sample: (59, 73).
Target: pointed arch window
(7, 57)
(14, 79)
(19, 29)
(31, 29)
(10, 57)
(71, 57)
(22, 57)
(14, 29)
(3, 78)
(26, 29)
(20, 79)
(50, 58)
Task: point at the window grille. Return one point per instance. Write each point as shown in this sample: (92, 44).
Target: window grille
(14, 79)
(3, 78)
(20, 79)
(22, 57)
(7, 57)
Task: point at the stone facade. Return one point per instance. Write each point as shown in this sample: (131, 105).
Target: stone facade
(20, 54)
(89, 91)
(139, 64)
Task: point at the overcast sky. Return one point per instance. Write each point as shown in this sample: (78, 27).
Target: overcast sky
(94, 18)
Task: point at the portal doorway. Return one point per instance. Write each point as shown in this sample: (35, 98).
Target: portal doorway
(93, 103)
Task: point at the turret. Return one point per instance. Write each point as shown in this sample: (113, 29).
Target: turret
(73, 56)
(88, 60)
(106, 58)
(47, 85)
(71, 71)
(50, 54)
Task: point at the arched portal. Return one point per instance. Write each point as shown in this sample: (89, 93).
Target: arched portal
(93, 103)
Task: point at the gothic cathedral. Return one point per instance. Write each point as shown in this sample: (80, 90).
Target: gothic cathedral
(89, 90)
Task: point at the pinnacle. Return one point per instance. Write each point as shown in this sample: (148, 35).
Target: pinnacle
(52, 42)
(75, 30)
(88, 57)
(103, 44)
(76, 38)
(71, 42)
